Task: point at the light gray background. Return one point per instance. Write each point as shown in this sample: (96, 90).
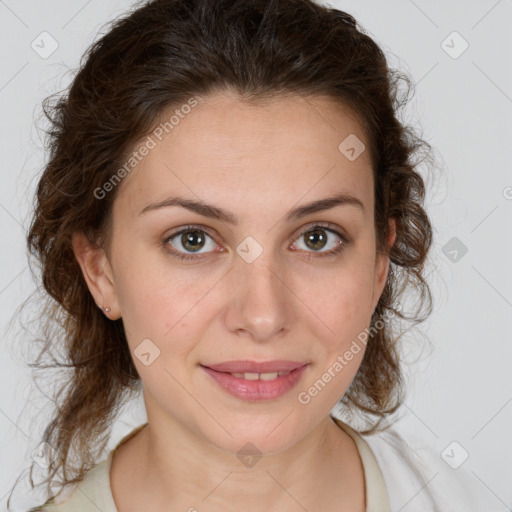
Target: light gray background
(463, 107)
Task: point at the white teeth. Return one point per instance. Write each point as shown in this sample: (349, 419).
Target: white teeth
(260, 376)
(268, 376)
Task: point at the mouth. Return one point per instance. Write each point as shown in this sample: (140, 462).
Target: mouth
(252, 381)
(258, 376)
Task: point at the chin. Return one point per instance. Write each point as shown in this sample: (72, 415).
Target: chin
(265, 435)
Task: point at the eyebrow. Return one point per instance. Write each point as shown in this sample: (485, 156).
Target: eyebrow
(215, 212)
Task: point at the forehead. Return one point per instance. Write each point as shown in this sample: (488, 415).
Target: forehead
(268, 154)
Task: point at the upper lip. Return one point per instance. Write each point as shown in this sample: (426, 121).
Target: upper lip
(255, 367)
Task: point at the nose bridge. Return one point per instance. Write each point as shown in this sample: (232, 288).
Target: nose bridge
(260, 300)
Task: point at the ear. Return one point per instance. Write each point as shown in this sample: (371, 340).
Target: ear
(97, 273)
(382, 266)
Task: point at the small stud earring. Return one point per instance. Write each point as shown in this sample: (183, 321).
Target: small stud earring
(107, 309)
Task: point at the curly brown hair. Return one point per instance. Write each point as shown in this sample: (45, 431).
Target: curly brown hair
(154, 58)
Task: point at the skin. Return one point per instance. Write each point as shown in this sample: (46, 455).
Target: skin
(292, 302)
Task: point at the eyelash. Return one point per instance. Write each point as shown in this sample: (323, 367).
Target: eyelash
(192, 227)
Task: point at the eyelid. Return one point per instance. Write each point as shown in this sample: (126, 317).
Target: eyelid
(334, 228)
(191, 227)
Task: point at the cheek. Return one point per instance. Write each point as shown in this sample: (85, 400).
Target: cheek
(340, 300)
(166, 305)
(161, 325)
(340, 327)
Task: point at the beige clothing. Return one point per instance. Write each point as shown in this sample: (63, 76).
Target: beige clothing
(94, 492)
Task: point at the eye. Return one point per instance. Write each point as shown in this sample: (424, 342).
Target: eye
(318, 237)
(192, 239)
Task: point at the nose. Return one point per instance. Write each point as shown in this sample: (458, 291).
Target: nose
(261, 304)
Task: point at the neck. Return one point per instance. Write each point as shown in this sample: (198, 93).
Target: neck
(180, 470)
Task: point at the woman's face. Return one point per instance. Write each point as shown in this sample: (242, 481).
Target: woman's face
(262, 283)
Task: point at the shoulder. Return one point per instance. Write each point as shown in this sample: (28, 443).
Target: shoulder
(90, 495)
(94, 492)
(418, 478)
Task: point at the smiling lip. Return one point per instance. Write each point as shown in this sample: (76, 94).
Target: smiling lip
(243, 379)
(252, 366)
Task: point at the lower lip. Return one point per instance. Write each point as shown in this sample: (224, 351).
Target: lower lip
(257, 390)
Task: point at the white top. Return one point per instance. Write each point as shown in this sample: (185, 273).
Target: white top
(396, 479)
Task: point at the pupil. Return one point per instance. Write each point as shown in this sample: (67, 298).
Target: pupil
(315, 236)
(192, 238)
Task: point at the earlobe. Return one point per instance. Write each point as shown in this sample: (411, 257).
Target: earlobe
(97, 273)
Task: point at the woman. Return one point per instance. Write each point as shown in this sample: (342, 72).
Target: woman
(229, 218)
